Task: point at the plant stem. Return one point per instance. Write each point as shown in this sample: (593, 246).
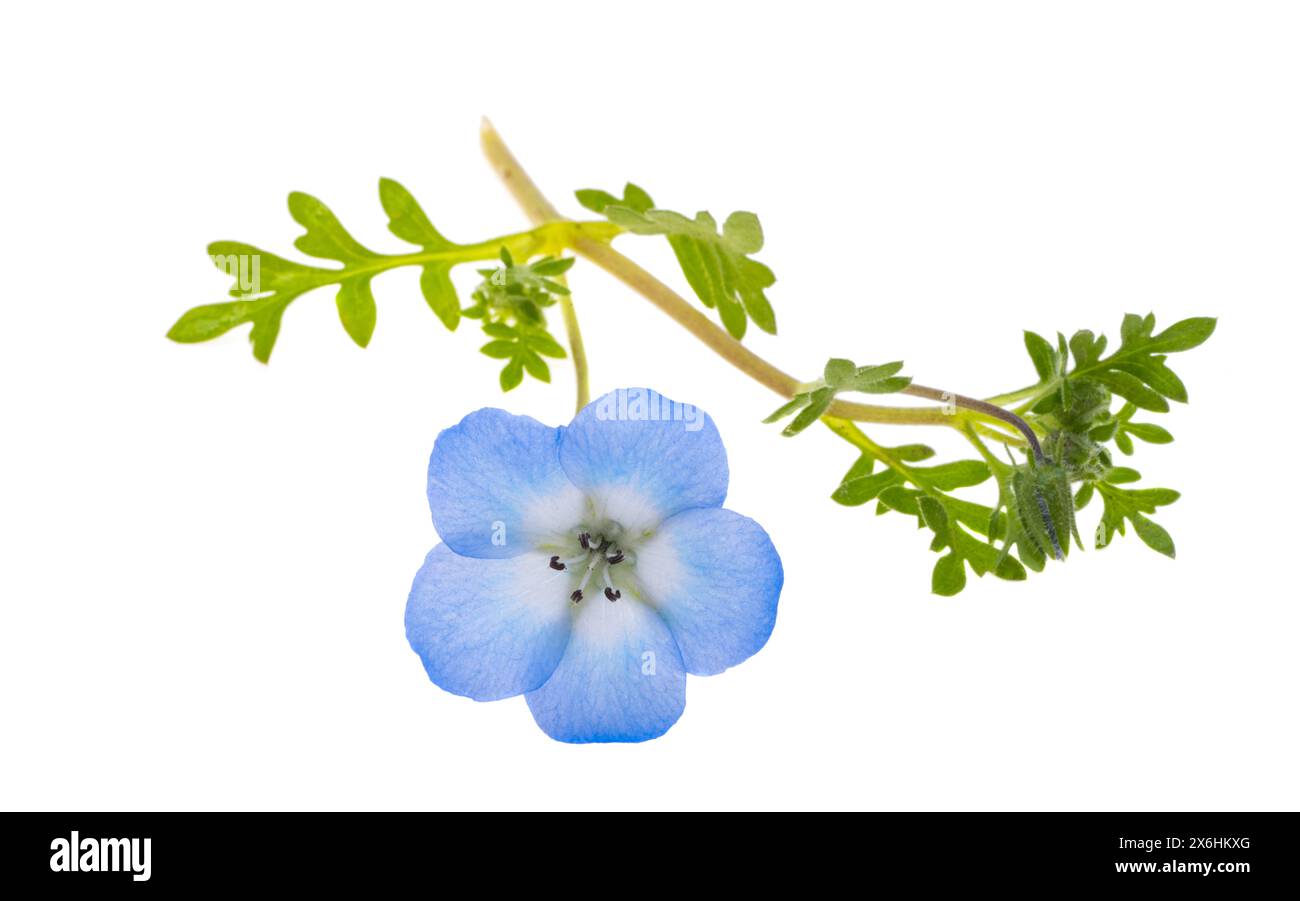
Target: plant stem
(540, 212)
(577, 348)
(994, 463)
(598, 250)
(980, 406)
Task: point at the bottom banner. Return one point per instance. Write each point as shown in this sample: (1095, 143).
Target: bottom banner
(648, 852)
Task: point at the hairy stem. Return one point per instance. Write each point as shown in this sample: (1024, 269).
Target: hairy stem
(599, 251)
(980, 406)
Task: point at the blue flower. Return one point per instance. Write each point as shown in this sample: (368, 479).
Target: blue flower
(589, 567)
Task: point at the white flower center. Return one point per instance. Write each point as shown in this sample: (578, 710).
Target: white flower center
(599, 561)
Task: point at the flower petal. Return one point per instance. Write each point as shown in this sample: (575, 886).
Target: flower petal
(621, 678)
(641, 457)
(714, 577)
(488, 629)
(496, 488)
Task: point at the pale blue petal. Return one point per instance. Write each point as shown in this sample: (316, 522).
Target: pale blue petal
(714, 577)
(496, 488)
(488, 629)
(621, 678)
(641, 457)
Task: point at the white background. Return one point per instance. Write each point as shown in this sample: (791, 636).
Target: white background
(204, 561)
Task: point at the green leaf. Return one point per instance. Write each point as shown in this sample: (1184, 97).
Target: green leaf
(536, 367)
(949, 576)
(210, 320)
(958, 474)
(1151, 434)
(544, 344)
(817, 403)
(716, 264)
(839, 372)
(1182, 335)
(901, 499)
(1153, 535)
(857, 491)
(440, 294)
(787, 408)
(1086, 347)
(935, 517)
(265, 284)
(499, 350)
(512, 374)
(406, 219)
(838, 375)
(1137, 370)
(878, 379)
(1083, 495)
(984, 558)
(863, 466)
(912, 453)
(521, 346)
(325, 236)
(553, 267)
(1130, 388)
(634, 198)
(356, 307)
(1042, 355)
(1134, 505)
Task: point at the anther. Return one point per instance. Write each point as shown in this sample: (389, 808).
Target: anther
(576, 596)
(617, 558)
(585, 540)
(556, 564)
(613, 594)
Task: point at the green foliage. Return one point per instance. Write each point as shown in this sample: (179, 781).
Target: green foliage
(717, 264)
(1044, 506)
(1137, 371)
(839, 375)
(960, 528)
(1125, 431)
(265, 284)
(1134, 505)
(510, 302)
(1034, 515)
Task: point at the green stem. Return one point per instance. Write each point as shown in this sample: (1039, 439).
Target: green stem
(545, 238)
(576, 348)
(850, 432)
(994, 463)
(1033, 392)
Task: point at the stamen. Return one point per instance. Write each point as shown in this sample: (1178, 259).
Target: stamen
(576, 597)
(556, 564)
(586, 577)
(613, 594)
